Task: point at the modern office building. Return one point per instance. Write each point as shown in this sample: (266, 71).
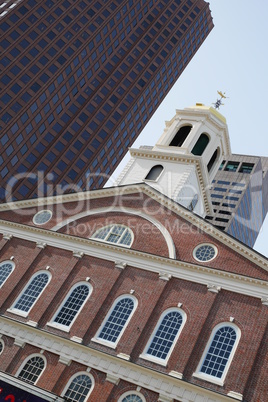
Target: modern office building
(239, 196)
(79, 81)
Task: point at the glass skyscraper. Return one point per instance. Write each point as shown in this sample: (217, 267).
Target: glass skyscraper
(239, 196)
(79, 81)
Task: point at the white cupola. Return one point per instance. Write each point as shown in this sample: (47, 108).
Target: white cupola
(184, 161)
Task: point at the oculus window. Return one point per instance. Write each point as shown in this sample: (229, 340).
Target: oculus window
(117, 234)
(205, 252)
(42, 217)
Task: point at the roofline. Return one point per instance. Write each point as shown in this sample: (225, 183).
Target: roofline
(170, 204)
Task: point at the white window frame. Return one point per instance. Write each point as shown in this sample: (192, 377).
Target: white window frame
(155, 359)
(66, 328)
(3, 346)
(24, 363)
(110, 242)
(14, 310)
(109, 343)
(133, 392)
(210, 378)
(65, 389)
(158, 177)
(13, 267)
(205, 244)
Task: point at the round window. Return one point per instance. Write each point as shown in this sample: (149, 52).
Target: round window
(42, 217)
(205, 252)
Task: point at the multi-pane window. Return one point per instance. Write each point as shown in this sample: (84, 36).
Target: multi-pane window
(6, 267)
(117, 234)
(116, 321)
(205, 252)
(79, 388)
(32, 369)
(131, 397)
(72, 305)
(165, 335)
(31, 293)
(219, 353)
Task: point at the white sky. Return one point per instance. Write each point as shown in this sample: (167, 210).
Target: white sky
(232, 59)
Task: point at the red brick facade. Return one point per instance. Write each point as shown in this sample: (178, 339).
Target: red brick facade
(142, 271)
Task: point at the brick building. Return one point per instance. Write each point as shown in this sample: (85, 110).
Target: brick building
(123, 294)
(80, 80)
(117, 294)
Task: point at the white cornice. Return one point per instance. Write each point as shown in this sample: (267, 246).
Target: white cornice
(185, 159)
(153, 263)
(190, 217)
(166, 385)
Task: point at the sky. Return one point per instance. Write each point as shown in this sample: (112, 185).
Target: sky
(233, 59)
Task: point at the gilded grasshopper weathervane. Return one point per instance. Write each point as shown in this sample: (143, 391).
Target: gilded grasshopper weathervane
(218, 102)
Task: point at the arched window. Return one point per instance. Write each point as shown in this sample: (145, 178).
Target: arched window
(31, 293)
(200, 145)
(154, 173)
(1, 346)
(71, 306)
(32, 369)
(132, 396)
(219, 353)
(164, 336)
(78, 388)
(116, 320)
(117, 234)
(212, 160)
(180, 136)
(6, 267)
(193, 203)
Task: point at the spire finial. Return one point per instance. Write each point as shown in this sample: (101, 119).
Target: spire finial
(218, 102)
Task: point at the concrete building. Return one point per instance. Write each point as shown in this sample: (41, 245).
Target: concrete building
(79, 81)
(239, 197)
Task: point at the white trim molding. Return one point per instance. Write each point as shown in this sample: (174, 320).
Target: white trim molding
(211, 378)
(201, 274)
(164, 384)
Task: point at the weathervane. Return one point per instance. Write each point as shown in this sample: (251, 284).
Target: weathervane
(218, 102)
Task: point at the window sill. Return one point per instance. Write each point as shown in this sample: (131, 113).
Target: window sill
(154, 359)
(209, 378)
(103, 342)
(58, 326)
(18, 312)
